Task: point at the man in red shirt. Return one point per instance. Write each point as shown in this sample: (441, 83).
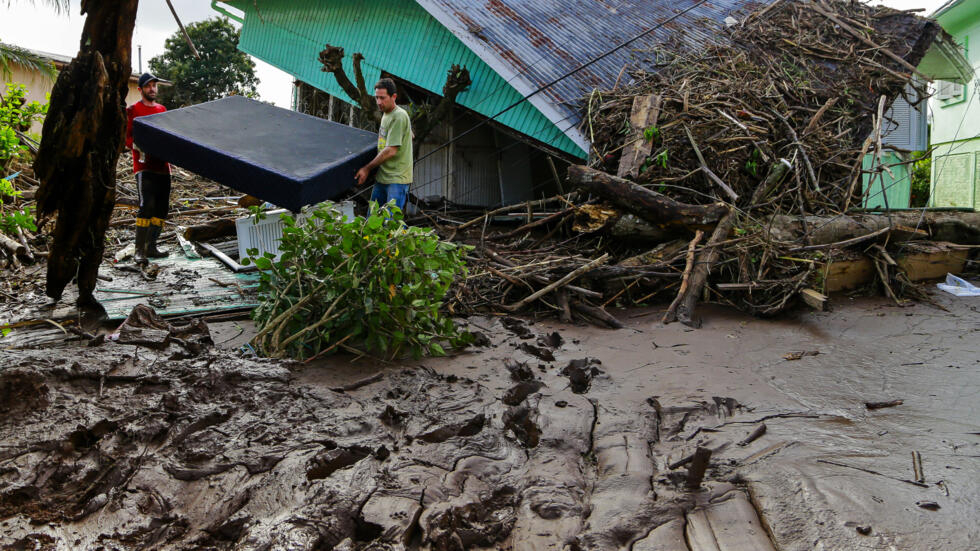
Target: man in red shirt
(152, 177)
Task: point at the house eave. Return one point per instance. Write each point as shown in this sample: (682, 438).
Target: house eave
(514, 78)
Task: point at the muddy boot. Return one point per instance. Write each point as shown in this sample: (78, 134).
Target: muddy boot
(151, 244)
(142, 234)
(91, 314)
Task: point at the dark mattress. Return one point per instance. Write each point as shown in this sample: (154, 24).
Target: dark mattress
(286, 158)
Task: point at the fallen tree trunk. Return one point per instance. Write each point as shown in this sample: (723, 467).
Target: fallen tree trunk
(649, 205)
(222, 227)
(955, 227)
(633, 228)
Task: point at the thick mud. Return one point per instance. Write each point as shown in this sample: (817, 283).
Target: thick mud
(553, 437)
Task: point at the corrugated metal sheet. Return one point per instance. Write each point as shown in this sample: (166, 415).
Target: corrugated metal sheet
(476, 178)
(396, 36)
(432, 173)
(184, 286)
(534, 43)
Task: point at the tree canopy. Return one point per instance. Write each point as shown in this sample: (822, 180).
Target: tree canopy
(222, 70)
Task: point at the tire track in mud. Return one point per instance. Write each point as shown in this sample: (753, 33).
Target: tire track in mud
(220, 452)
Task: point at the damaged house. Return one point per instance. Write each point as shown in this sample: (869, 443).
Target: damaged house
(512, 50)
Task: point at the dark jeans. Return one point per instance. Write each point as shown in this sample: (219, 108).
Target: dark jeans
(154, 196)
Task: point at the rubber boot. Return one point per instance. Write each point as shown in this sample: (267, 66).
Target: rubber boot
(90, 312)
(142, 234)
(151, 243)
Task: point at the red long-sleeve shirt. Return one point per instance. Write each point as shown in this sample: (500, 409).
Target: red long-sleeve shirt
(143, 161)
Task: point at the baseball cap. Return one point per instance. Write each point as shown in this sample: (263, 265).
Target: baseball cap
(147, 78)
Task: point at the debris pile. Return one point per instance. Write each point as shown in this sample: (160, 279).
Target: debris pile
(742, 159)
(199, 207)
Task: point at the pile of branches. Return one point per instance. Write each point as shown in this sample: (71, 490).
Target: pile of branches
(735, 159)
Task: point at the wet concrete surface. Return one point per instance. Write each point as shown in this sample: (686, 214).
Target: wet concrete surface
(124, 447)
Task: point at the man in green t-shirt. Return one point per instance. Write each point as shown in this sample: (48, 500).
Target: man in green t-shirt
(394, 158)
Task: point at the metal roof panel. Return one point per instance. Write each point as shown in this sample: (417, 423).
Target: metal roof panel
(533, 43)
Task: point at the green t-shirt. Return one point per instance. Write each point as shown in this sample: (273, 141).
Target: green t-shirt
(396, 130)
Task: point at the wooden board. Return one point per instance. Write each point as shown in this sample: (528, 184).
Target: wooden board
(644, 114)
(843, 275)
(666, 537)
(932, 265)
(847, 274)
(731, 525)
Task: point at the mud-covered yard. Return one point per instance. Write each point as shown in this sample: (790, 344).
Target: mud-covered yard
(552, 437)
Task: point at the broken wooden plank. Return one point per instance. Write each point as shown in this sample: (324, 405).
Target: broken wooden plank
(666, 537)
(644, 114)
(843, 275)
(917, 467)
(727, 525)
(697, 467)
(932, 265)
(880, 405)
(814, 299)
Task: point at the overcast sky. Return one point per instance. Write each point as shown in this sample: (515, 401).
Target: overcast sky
(35, 25)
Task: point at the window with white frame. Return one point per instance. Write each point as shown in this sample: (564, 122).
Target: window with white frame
(949, 91)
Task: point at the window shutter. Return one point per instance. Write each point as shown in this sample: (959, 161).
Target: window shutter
(897, 127)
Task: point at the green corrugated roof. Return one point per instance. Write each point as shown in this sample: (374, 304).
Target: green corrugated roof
(396, 36)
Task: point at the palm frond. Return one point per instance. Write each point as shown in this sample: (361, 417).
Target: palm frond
(58, 5)
(10, 54)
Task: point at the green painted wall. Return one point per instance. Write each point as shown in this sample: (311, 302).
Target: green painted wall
(397, 36)
(897, 186)
(955, 131)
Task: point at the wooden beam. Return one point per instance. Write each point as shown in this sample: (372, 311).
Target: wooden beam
(644, 114)
(649, 205)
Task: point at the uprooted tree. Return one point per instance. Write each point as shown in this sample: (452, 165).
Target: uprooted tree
(425, 117)
(81, 140)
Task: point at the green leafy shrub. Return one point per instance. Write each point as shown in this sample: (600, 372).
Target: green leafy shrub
(16, 115)
(371, 283)
(10, 218)
(921, 175)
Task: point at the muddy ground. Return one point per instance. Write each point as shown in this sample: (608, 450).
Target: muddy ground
(552, 437)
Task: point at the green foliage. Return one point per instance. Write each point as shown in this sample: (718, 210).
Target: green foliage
(16, 115)
(658, 159)
(752, 165)
(11, 219)
(372, 283)
(651, 133)
(222, 70)
(921, 175)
